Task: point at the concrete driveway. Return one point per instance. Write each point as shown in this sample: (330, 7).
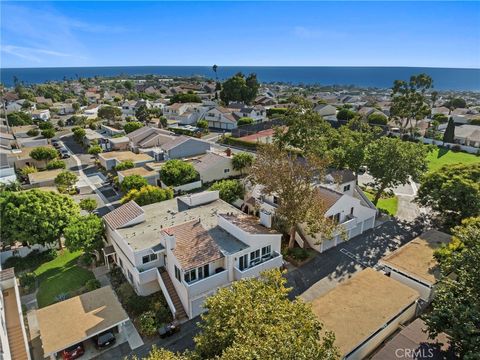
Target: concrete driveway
(328, 269)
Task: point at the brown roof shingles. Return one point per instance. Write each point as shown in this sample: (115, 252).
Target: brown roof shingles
(123, 215)
(194, 246)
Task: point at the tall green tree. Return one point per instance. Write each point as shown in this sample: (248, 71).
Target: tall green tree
(66, 180)
(241, 89)
(449, 134)
(456, 305)
(290, 179)
(35, 216)
(230, 190)
(409, 103)
(109, 113)
(254, 319)
(84, 233)
(43, 153)
(178, 172)
(393, 162)
(347, 149)
(453, 191)
(142, 114)
(133, 182)
(305, 130)
(242, 161)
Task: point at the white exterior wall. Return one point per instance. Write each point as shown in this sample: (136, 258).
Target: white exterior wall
(363, 351)
(425, 290)
(217, 171)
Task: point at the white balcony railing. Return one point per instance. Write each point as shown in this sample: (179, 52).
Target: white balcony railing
(255, 270)
(204, 285)
(143, 277)
(349, 223)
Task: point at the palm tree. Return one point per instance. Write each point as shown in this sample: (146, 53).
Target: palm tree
(214, 68)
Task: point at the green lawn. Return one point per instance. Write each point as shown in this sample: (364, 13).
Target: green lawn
(390, 204)
(62, 275)
(440, 157)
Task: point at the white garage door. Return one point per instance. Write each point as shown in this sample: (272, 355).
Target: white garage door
(197, 306)
(356, 230)
(369, 223)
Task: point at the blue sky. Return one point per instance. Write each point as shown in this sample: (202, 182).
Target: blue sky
(436, 34)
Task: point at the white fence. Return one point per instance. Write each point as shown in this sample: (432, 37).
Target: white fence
(186, 187)
(24, 251)
(469, 149)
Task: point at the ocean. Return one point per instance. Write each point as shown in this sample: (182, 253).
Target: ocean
(378, 77)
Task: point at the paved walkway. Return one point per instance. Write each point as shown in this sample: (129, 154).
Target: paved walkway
(133, 337)
(100, 273)
(86, 178)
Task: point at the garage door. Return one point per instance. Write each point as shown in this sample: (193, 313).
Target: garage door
(368, 224)
(356, 230)
(197, 306)
(327, 244)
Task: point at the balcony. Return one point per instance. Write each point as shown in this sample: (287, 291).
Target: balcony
(349, 222)
(275, 261)
(206, 284)
(145, 276)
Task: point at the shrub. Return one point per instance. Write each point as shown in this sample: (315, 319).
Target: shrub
(48, 133)
(180, 131)
(133, 182)
(377, 119)
(92, 284)
(456, 148)
(28, 170)
(276, 112)
(147, 323)
(45, 125)
(116, 277)
(177, 172)
(79, 134)
(56, 164)
(240, 143)
(33, 132)
(61, 123)
(88, 204)
(475, 121)
(148, 195)
(27, 281)
(136, 305)
(132, 126)
(202, 124)
(125, 291)
(345, 114)
(229, 190)
(298, 254)
(87, 259)
(244, 121)
(95, 150)
(125, 165)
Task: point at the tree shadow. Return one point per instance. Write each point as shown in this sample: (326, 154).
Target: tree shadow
(442, 151)
(342, 262)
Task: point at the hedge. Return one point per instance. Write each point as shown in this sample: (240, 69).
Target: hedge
(241, 143)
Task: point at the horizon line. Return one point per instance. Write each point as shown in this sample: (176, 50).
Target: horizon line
(258, 66)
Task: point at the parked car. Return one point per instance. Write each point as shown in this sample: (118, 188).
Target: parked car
(73, 352)
(63, 153)
(57, 145)
(104, 340)
(169, 329)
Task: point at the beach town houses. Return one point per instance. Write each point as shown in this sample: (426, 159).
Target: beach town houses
(188, 247)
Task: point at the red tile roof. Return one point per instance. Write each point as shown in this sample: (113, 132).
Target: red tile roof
(194, 246)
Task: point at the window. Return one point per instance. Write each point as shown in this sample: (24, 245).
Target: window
(203, 271)
(243, 262)
(351, 211)
(276, 200)
(130, 277)
(336, 217)
(121, 262)
(254, 255)
(191, 275)
(346, 188)
(178, 274)
(266, 250)
(148, 258)
(226, 171)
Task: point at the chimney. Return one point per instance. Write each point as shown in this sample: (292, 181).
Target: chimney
(170, 240)
(266, 218)
(228, 152)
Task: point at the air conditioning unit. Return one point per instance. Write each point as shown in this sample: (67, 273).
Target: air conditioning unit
(266, 218)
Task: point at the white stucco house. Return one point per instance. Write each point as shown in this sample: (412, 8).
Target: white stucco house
(344, 203)
(188, 247)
